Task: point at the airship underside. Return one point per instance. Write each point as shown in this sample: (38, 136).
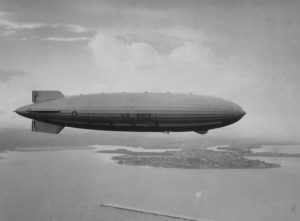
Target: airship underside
(51, 111)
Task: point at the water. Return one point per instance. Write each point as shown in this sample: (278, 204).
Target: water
(132, 149)
(71, 184)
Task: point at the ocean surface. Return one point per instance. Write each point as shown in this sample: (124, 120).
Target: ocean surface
(70, 184)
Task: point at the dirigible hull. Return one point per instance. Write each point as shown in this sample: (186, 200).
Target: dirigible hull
(153, 112)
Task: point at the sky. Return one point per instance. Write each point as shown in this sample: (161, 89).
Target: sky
(247, 52)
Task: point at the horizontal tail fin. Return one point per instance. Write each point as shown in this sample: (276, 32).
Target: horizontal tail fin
(38, 96)
(38, 126)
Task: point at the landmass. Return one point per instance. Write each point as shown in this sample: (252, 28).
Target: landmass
(248, 152)
(188, 159)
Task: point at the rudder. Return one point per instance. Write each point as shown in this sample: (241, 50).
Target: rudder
(38, 126)
(39, 96)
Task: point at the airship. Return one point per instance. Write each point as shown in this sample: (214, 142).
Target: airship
(51, 111)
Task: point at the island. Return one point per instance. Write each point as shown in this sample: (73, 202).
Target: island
(191, 158)
(247, 151)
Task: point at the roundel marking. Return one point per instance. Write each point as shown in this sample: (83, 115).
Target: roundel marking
(74, 114)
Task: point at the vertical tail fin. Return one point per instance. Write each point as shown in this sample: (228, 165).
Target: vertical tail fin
(38, 126)
(39, 96)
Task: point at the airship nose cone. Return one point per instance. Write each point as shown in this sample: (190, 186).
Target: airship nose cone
(238, 112)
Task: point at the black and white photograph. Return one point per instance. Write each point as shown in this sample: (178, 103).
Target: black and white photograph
(149, 110)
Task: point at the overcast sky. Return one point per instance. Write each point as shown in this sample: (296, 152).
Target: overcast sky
(244, 51)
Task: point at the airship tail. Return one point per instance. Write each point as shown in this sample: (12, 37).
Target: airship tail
(39, 96)
(38, 126)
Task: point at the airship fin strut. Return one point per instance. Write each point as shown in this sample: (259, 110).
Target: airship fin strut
(39, 96)
(38, 126)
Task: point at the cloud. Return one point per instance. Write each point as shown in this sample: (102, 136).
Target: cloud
(76, 28)
(6, 75)
(112, 52)
(189, 66)
(8, 32)
(133, 62)
(7, 23)
(10, 25)
(70, 39)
